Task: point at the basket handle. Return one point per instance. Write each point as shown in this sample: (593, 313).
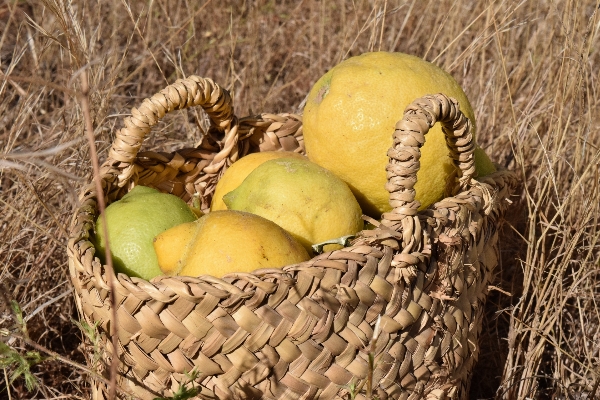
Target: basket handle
(408, 138)
(184, 93)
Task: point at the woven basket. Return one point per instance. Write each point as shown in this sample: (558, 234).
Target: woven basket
(307, 331)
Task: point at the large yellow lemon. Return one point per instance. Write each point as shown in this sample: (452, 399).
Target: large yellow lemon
(349, 119)
(239, 170)
(222, 242)
(132, 224)
(303, 198)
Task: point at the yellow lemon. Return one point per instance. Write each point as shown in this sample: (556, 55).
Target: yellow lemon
(303, 198)
(349, 119)
(132, 224)
(239, 170)
(223, 242)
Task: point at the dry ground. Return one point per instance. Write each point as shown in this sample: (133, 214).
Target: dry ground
(530, 68)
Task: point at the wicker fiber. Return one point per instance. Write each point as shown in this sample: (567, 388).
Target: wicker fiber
(303, 332)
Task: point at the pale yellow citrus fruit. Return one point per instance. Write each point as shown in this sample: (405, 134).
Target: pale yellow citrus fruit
(349, 119)
(132, 224)
(223, 242)
(239, 170)
(303, 198)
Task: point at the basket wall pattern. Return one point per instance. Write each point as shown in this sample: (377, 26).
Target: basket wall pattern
(411, 291)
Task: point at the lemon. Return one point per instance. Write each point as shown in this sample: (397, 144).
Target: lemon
(222, 242)
(238, 171)
(349, 119)
(132, 224)
(303, 198)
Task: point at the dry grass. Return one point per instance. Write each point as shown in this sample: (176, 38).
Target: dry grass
(530, 68)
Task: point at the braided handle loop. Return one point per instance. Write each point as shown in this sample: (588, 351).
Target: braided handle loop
(409, 136)
(184, 93)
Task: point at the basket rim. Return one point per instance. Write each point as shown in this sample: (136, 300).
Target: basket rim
(491, 183)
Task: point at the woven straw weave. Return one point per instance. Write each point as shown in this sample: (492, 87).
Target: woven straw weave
(304, 332)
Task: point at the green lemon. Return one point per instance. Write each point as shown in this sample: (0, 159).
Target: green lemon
(132, 224)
